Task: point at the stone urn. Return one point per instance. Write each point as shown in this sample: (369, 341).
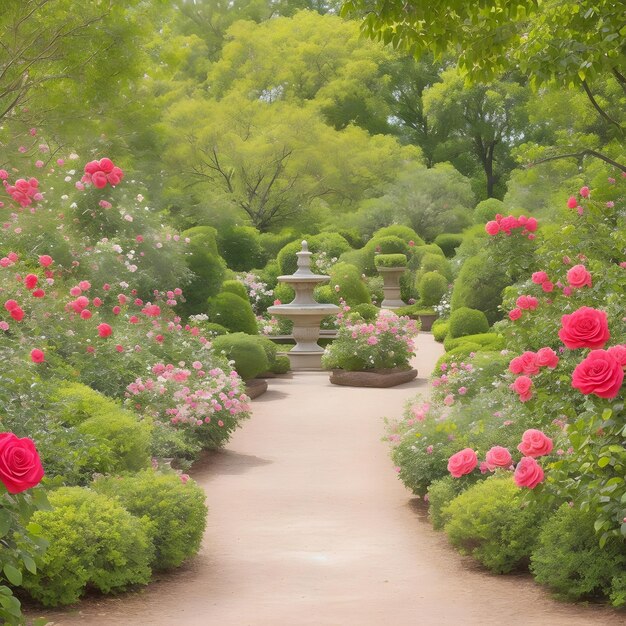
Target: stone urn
(391, 267)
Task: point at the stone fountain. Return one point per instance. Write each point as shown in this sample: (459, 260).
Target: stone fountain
(305, 313)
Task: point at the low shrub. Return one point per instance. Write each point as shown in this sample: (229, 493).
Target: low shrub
(460, 353)
(389, 244)
(414, 310)
(406, 233)
(390, 260)
(367, 312)
(567, 558)
(207, 235)
(211, 328)
(233, 312)
(492, 522)
(431, 288)
(449, 242)
(435, 263)
(284, 293)
(486, 210)
(419, 252)
(466, 321)
(346, 283)
(73, 403)
(208, 273)
(281, 365)
(487, 341)
(440, 493)
(236, 287)
(248, 354)
(176, 510)
(240, 247)
(440, 329)
(93, 542)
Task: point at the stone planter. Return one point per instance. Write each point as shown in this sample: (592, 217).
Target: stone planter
(427, 321)
(255, 388)
(373, 378)
(391, 286)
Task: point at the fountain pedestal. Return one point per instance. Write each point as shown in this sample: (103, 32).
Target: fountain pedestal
(305, 313)
(391, 287)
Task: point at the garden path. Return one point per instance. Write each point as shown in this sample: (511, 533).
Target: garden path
(308, 526)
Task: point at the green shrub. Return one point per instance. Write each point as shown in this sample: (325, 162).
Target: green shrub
(449, 242)
(93, 541)
(332, 244)
(440, 493)
(269, 347)
(487, 341)
(361, 259)
(351, 286)
(419, 252)
(439, 329)
(284, 293)
(247, 353)
(177, 511)
(491, 522)
(459, 354)
(388, 245)
(487, 210)
(270, 273)
(207, 235)
(351, 235)
(479, 285)
(271, 243)
(390, 260)
(414, 310)
(233, 312)
(431, 288)
(406, 233)
(208, 273)
(211, 328)
(281, 365)
(126, 439)
(368, 312)
(240, 247)
(569, 560)
(435, 263)
(73, 403)
(466, 321)
(236, 287)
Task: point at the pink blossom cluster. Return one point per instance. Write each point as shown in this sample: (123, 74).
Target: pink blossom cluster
(528, 473)
(23, 191)
(102, 172)
(527, 226)
(572, 201)
(191, 396)
(453, 381)
(530, 362)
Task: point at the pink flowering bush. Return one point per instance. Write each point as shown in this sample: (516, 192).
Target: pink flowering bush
(386, 342)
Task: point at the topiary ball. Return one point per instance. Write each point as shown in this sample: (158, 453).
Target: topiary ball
(233, 312)
(431, 288)
(247, 353)
(466, 321)
(236, 287)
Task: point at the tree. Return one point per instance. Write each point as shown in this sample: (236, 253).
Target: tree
(275, 160)
(484, 120)
(549, 41)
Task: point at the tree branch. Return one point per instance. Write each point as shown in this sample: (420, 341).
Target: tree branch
(580, 155)
(598, 108)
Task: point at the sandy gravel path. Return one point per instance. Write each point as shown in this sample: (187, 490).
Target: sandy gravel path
(309, 526)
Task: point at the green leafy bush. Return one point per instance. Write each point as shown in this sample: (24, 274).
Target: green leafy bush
(211, 328)
(414, 310)
(460, 353)
(486, 210)
(177, 511)
(208, 273)
(479, 285)
(440, 493)
(390, 260)
(487, 341)
(247, 353)
(419, 252)
(240, 247)
(351, 286)
(284, 293)
(406, 233)
(491, 522)
(567, 558)
(389, 244)
(236, 287)
(366, 311)
(466, 321)
(123, 440)
(435, 263)
(233, 312)
(206, 235)
(93, 542)
(449, 242)
(281, 365)
(431, 288)
(73, 403)
(440, 329)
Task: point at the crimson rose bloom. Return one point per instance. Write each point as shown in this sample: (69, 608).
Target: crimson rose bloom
(584, 328)
(535, 443)
(528, 473)
(600, 373)
(20, 466)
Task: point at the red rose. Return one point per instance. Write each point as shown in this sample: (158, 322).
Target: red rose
(578, 276)
(600, 374)
(515, 314)
(37, 355)
(535, 443)
(20, 466)
(546, 357)
(104, 330)
(584, 328)
(30, 281)
(528, 473)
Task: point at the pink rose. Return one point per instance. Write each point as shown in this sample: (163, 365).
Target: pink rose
(618, 353)
(515, 314)
(20, 466)
(547, 286)
(546, 357)
(584, 192)
(584, 328)
(531, 224)
(515, 366)
(600, 374)
(578, 276)
(523, 387)
(529, 364)
(535, 443)
(572, 203)
(492, 228)
(529, 303)
(463, 462)
(528, 473)
(539, 278)
(498, 457)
